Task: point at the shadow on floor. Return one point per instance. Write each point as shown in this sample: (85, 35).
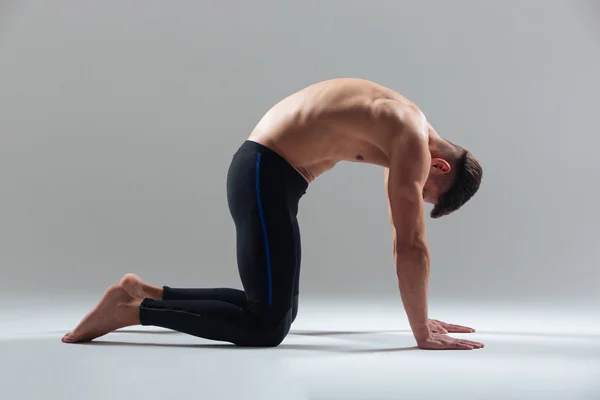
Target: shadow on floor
(292, 332)
(298, 332)
(377, 332)
(341, 333)
(283, 346)
(573, 335)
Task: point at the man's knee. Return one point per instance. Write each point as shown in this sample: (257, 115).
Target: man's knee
(271, 339)
(273, 330)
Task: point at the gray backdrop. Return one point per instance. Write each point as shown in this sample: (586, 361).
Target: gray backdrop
(118, 120)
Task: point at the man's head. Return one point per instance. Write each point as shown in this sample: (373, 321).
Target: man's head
(454, 178)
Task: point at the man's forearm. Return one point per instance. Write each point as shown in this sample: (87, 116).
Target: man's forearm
(412, 268)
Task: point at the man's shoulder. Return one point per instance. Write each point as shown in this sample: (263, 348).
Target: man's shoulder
(409, 151)
(401, 114)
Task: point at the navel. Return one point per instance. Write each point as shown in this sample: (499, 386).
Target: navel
(359, 157)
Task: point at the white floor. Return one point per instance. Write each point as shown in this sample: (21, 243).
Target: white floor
(336, 350)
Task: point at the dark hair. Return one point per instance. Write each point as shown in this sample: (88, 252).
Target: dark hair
(467, 178)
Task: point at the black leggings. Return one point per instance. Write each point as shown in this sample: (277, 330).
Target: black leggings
(263, 191)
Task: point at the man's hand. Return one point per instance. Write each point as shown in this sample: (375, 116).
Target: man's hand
(436, 326)
(436, 341)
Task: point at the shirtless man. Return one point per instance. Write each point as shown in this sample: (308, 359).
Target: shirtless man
(300, 138)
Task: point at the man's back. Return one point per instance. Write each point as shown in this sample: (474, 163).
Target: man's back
(344, 119)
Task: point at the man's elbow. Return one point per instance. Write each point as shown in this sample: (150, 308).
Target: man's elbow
(414, 253)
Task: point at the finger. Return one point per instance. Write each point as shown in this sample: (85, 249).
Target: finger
(471, 342)
(476, 345)
(460, 346)
(458, 328)
(460, 342)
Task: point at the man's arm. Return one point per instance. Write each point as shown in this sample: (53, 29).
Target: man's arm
(410, 161)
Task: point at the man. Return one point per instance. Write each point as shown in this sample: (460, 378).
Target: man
(300, 138)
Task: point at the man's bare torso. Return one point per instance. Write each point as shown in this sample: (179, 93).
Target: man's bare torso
(337, 120)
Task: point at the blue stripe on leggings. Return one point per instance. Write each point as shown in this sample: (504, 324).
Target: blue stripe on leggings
(264, 228)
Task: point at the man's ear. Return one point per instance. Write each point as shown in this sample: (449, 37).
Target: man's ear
(439, 166)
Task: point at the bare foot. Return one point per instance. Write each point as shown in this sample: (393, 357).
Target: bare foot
(117, 309)
(140, 289)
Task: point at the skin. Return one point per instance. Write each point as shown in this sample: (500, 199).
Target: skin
(314, 129)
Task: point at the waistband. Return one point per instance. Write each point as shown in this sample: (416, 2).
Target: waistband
(275, 158)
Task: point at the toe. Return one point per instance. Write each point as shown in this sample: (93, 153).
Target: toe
(68, 338)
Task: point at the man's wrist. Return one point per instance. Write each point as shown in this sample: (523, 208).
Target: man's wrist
(421, 331)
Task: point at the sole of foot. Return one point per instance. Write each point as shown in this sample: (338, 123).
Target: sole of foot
(117, 309)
